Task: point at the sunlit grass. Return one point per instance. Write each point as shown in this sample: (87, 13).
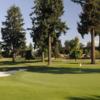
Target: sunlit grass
(63, 80)
(21, 62)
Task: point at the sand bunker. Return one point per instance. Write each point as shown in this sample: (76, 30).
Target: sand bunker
(4, 74)
(8, 73)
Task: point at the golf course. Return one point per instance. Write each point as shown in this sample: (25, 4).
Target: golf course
(63, 80)
(49, 49)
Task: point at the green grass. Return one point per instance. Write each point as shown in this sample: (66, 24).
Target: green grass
(63, 80)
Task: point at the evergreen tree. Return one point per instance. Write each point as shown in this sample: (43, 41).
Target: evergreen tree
(98, 16)
(38, 32)
(13, 33)
(47, 23)
(90, 21)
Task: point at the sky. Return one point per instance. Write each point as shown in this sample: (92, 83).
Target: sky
(71, 17)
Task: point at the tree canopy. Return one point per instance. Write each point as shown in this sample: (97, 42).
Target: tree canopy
(13, 33)
(47, 23)
(89, 21)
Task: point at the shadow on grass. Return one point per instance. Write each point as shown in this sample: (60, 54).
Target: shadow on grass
(62, 70)
(19, 62)
(84, 98)
(54, 70)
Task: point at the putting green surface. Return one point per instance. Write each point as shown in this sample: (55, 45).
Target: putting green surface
(57, 82)
(50, 86)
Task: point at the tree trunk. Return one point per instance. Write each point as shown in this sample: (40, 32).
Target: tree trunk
(43, 60)
(49, 49)
(99, 42)
(75, 59)
(13, 54)
(13, 57)
(56, 50)
(92, 46)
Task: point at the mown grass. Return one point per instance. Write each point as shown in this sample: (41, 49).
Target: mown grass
(63, 80)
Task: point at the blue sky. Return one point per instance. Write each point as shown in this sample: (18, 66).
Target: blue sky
(70, 16)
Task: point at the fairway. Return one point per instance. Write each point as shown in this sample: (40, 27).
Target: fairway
(61, 81)
(50, 50)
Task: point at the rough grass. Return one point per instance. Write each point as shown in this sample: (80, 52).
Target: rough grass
(63, 80)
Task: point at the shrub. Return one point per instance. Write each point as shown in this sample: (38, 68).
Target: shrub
(75, 54)
(97, 54)
(29, 55)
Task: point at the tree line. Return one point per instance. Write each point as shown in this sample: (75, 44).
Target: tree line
(47, 27)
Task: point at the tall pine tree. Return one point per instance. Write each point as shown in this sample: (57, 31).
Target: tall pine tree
(47, 23)
(39, 30)
(90, 21)
(13, 33)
